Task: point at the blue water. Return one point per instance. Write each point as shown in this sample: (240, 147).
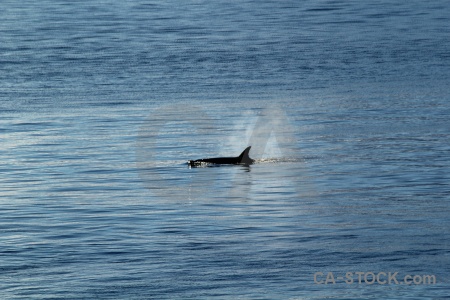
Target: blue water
(346, 106)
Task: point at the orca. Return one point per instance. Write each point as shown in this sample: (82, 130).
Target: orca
(242, 159)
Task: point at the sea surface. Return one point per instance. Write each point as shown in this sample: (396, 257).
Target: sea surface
(346, 105)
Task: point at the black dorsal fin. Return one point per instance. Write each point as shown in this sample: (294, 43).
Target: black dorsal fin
(244, 158)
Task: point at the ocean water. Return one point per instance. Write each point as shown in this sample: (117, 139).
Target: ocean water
(346, 105)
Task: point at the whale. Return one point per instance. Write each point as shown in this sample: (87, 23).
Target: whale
(242, 159)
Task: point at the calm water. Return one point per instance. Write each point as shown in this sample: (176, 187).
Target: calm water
(346, 106)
